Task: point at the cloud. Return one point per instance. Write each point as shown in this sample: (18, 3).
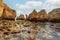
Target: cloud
(48, 5)
(53, 1)
(51, 4)
(19, 12)
(29, 4)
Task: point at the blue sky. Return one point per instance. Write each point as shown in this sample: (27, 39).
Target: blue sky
(27, 6)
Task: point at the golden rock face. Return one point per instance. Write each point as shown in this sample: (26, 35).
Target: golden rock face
(33, 15)
(38, 15)
(1, 9)
(1, 1)
(54, 14)
(42, 15)
(6, 12)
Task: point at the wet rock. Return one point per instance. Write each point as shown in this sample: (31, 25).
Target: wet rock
(24, 30)
(15, 31)
(31, 36)
(25, 36)
(47, 36)
(6, 32)
(14, 39)
(33, 31)
(1, 33)
(26, 24)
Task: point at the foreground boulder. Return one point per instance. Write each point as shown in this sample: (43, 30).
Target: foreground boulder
(21, 17)
(54, 15)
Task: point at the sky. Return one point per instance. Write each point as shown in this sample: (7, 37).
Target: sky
(27, 6)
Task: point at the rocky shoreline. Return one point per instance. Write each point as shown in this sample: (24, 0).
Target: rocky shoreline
(25, 29)
(30, 25)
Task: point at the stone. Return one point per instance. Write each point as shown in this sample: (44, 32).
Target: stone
(1, 33)
(8, 13)
(26, 24)
(1, 8)
(54, 15)
(21, 17)
(42, 15)
(6, 33)
(1, 1)
(38, 16)
(15, 31)
(31, 36)
(32, 16)
(24, 36)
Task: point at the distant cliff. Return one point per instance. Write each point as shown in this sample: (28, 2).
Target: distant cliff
(53, 16)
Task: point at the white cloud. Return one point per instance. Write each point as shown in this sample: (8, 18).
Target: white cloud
(48, 5)
(19, 12)
(51, 4)
(53, 1)
(29, 4)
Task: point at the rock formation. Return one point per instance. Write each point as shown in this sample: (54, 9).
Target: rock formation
(32, 16)
(6, 12)
(54, 15)
(21, 17)
(42, 15)
(1, 8)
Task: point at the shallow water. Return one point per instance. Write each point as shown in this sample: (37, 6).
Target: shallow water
(46, 32)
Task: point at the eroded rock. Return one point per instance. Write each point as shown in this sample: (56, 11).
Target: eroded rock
(21, 17)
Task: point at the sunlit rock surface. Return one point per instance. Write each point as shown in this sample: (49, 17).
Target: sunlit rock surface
(6, 12)
(54, 15)
(32, 16)
(42, 15)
